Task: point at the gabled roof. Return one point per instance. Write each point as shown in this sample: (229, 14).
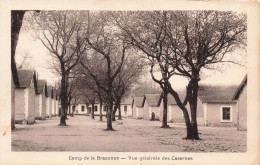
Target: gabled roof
(127, 101)
(145, 89)
(171, 99)
(25, 77)
(139, 101)
(240, 88)
(153, 100)
(216, 94)
(81, 99)
(41, 84)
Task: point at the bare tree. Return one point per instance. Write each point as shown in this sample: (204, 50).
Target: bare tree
(189, 42)
(16, 24)
(150, 38)
(76, 99)
(60, 33)
(108, 46)
(25, 61)
(129, 76)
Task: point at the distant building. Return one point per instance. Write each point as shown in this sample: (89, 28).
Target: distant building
(126, 107)
(137, 106)
(57, 102)
(25, 97)
(40, 100)
(174, 112)
(97, 109)
(49, 102)
(80, 108)
(218, 107)
(151, 105)
(241, 97)
(53, 113)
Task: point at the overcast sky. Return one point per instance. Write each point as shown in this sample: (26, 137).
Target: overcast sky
(231, 74)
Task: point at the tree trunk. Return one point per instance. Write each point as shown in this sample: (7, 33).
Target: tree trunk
(114, 113)
(69, 108)
(193, 107)
(88, 111)
(109, 115)
(64, 97)
(185, 113)
(63, 120)
(63, 116)
(165, 102)
(16, 24)
(119, 112)
(92, 112)
(101, 111)
(72, 114)
(66, 114)
(187, 122)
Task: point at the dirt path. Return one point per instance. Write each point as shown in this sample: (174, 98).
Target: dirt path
(131, 135)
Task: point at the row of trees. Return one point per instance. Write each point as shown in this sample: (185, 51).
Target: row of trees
(108, 49)
(184, 43)
(88, 55)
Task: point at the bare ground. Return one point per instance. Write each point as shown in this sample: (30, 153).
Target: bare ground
(131, 135)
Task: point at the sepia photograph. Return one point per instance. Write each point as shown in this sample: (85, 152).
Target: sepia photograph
(161, 81)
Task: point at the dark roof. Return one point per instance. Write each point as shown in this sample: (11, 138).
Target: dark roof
(139, 101)
(41, 84)
(240, 88)
(182, 95)
(145, 89)
(25, 77)
(216, 94)
(127, 100)
(152, 99)
(81, 99)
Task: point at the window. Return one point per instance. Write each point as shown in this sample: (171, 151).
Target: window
(125, 108)
(82, 108)
(105, 108)
(226, 114)
(95, 108)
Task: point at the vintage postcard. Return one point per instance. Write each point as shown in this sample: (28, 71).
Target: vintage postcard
(129, 82)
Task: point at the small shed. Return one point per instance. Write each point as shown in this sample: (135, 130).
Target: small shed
(96, 108)
(174, 113)
(137, 106)
(40, 100)
(219, 109)
(126, 107)
(25, 97)
(152, 105)
(241, 97)
(79, 106)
